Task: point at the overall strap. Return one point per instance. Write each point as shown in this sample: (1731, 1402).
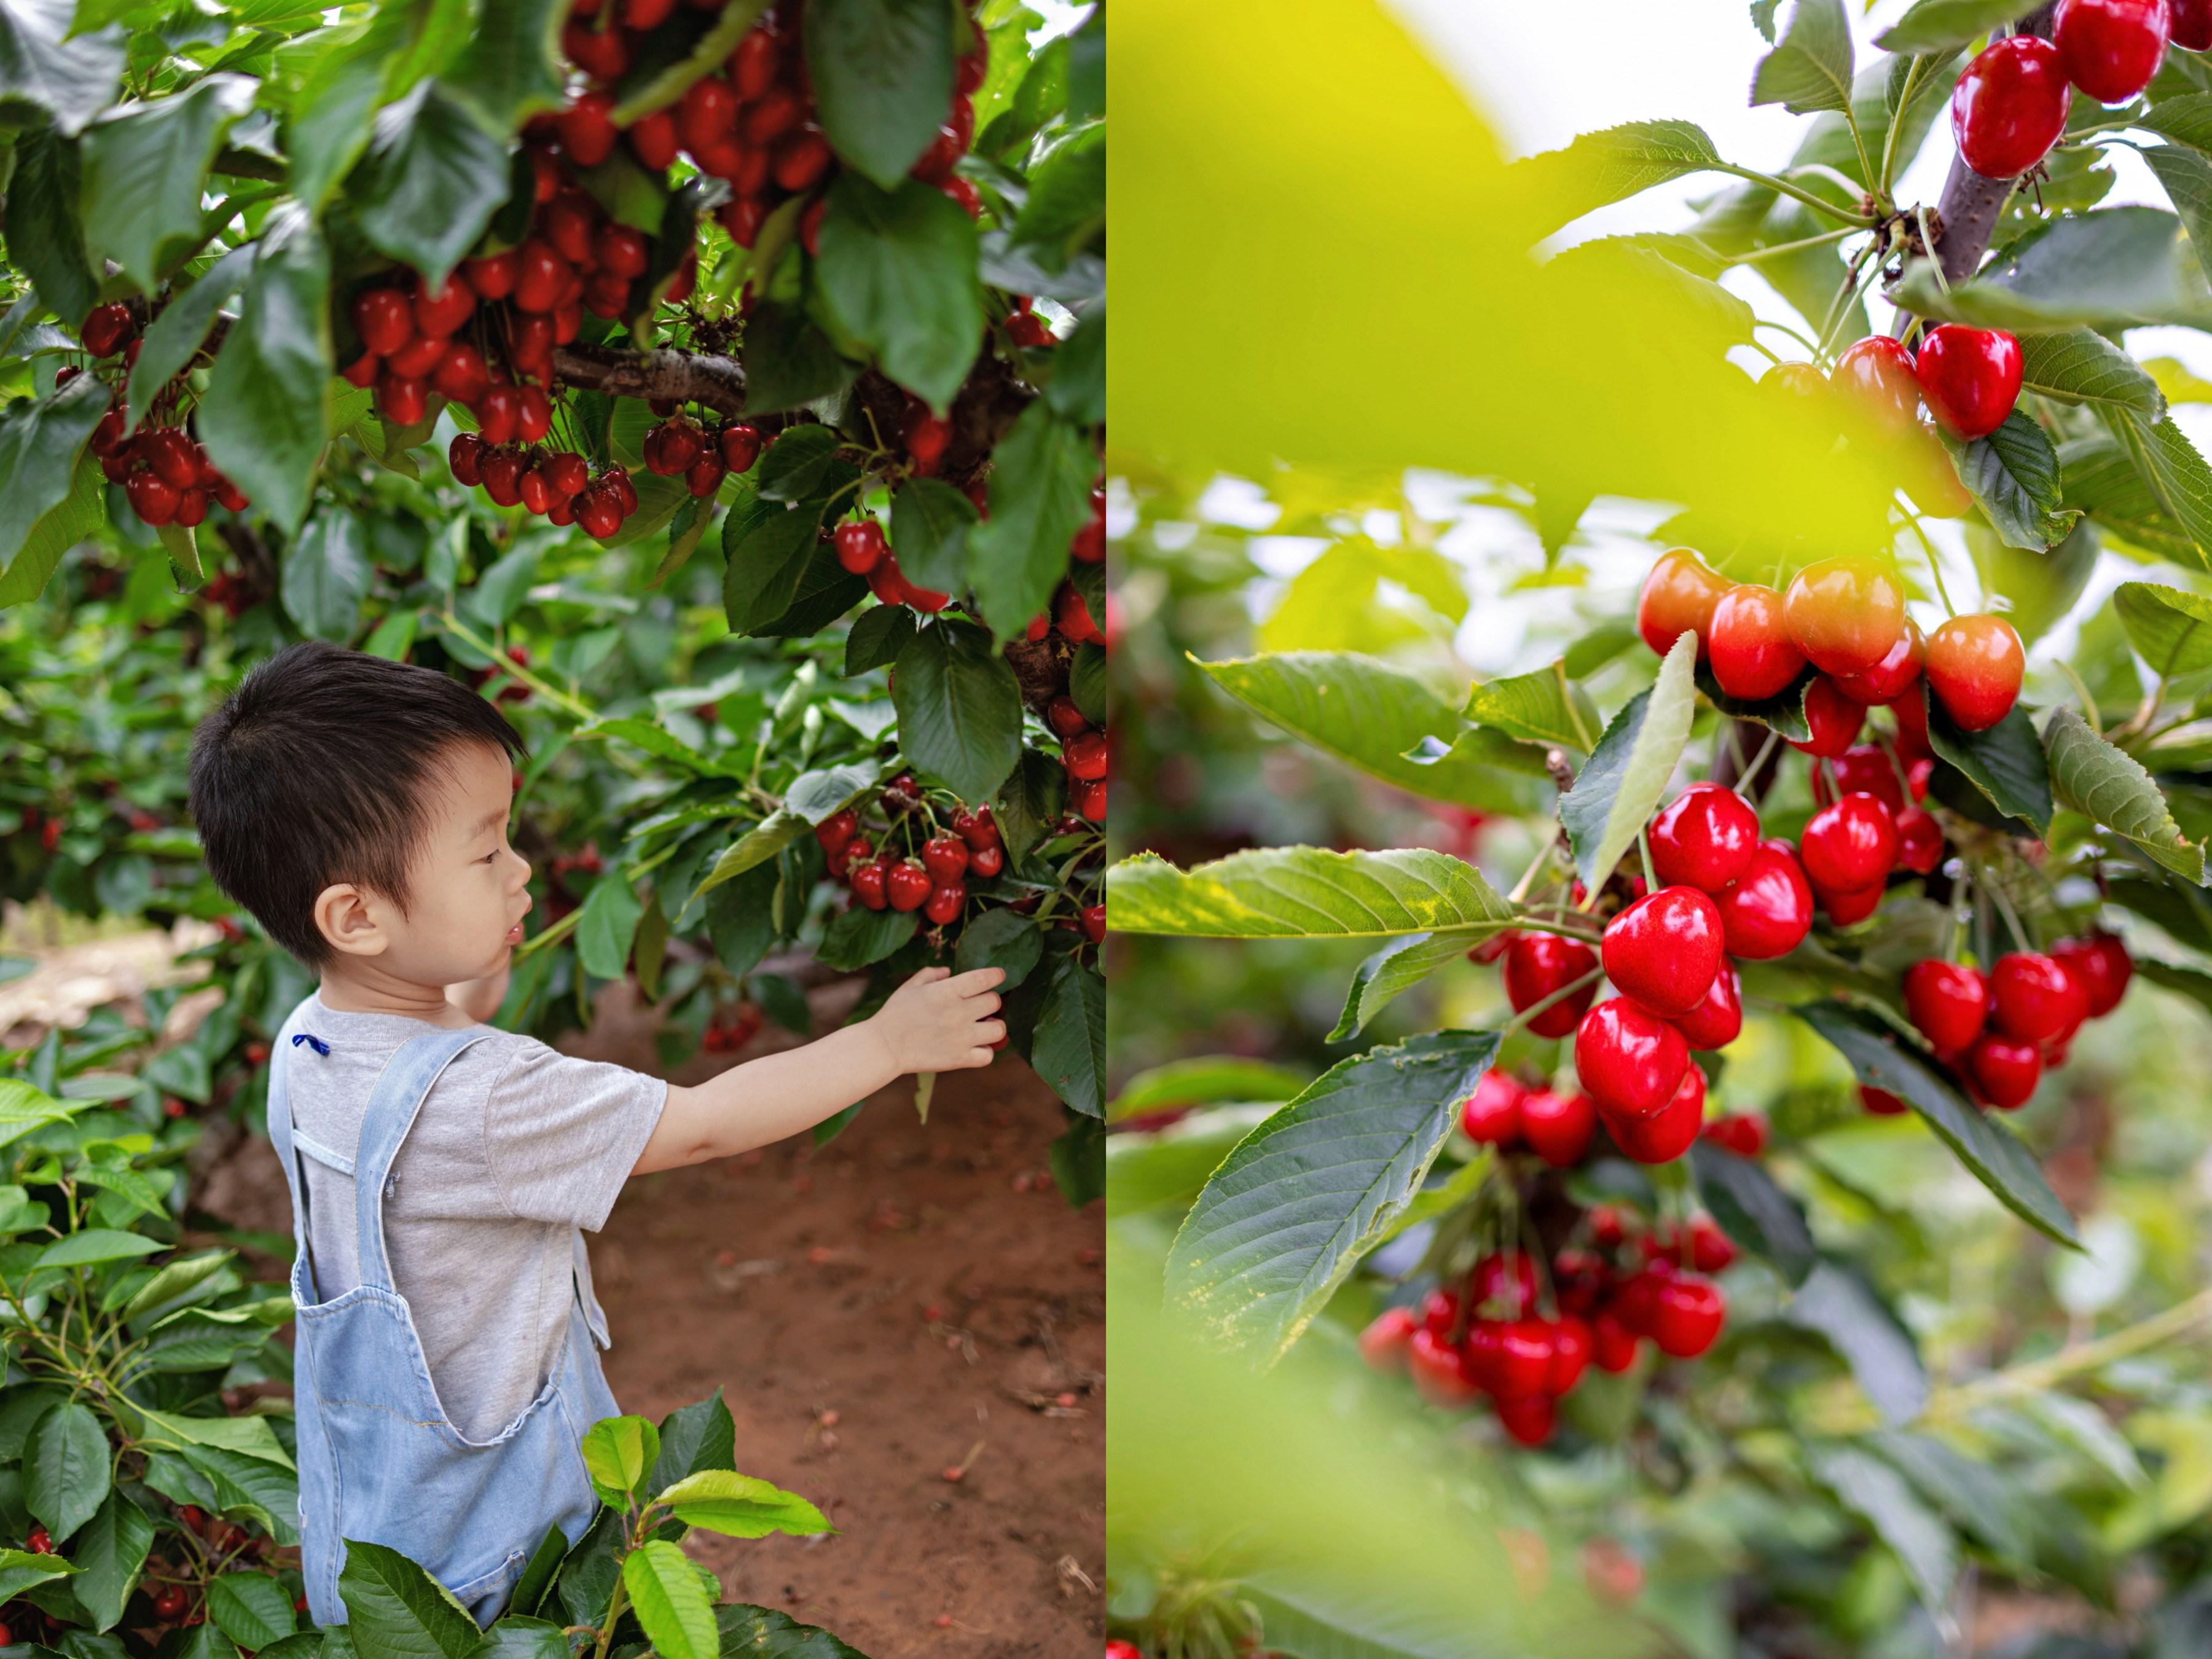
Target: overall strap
(284, 1138)
(396, 1099)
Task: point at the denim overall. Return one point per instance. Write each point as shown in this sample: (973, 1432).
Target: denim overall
(378, 1459)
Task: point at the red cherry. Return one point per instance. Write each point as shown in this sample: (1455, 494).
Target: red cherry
(383, 318)
(534, 415)
(1665, 948)
(1439, 1373)
(153, 498)
(1743, 1134)
(801, 159)
(1571, 1342)
(741, 448)
(1947, 1002)
(868, 886)
(2004, 1072)
(603, 54)
(1703, 838)
(1890, 679)
(1688, 1316)
(1850, 845)
(1876, 374)
(2101, 965)
(705, 474)
(753, 65)
(499, 413)
(621, 251)
(707, 116)
(1832, 718)
(438, 312)
(502, 470)
(418, 359)
(926, 438)
(987, 861)
(1491, 1114)
(618, 479)
(540, 275)
(945, 858)
(169, 453)
(108, 329)
(1064, 719)
(1383, 1345)
(567, 472)
(2034, 998)
(464, 456)
(402, 401)
(461, 376)
(1753, 655)
(1678, 596)
(2110, 48)
(1094, 923)
(836, 831)
(1538, 964)
(1557, 1127)
(2192, 23)
(1718, 1020)
(530, 343)
(1971, 377)
(643, 16)
(860, 545)
(1523, 1361)
(1845, 614)
(1630, 1061)
(1919, 841)
(1881, 1102)
(908, 886)
(652, 140)
(1768, 910)
(1865, 768)
(946, 904)
(2009, 107)
(1613, 1345)
(537, 493)
(1845, 906)
(1668, 1133)
(1086, 755)
(588, 128)
(1975, 665)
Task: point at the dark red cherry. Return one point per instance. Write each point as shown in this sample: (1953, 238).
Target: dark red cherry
(1630, 1061)
(1538, 964)
(2009, 107)
(2192, 23)
(1919, 841)
(1971, 377)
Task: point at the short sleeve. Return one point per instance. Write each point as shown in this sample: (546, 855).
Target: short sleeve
(562, 1134)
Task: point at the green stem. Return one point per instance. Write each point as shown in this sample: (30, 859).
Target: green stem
(1561, 995)
(1896, 122)
(1798, 247)
(1818, 203)
(1643, 847)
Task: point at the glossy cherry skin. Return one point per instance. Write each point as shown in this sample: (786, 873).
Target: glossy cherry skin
(1970, 377)
(1833, 718)
(1522, 1363)
(1703, 838)
(1749, 645)
(1504, 1280)
(1851, 844)
(1492, 1115)
(1679, 595)
(1570, 1355)
(2033, 998)
(1529, 1418)
(1768, 910)
(1383, 1345)
(1845, 905)
(1890, 679)
(1975, 666)
(1558, 1127)
(2009, 107)
(1687, 1317)
(2111, 48)
(1665, 948)
(1718, 1020)
(2101, 965)
(1864, 768)
(1948, 1003)
(2004, 1073)
(1438, 1372)
(1881, 1102)
(908, 886)
(1613, 1345)
(1846, 615)
(1630, 1061)
(1536, 965)
(1919, 841)
(1876, 375)
(1668, 1133)
(1743, 1134)
(2191, 23)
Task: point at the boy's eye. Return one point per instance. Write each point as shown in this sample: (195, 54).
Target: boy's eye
(490, 856)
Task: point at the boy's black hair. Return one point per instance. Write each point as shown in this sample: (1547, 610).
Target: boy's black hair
(317, 769)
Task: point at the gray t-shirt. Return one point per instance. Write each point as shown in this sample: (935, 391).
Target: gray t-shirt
(516, 1146)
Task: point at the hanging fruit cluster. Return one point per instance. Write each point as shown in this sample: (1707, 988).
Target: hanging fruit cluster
(163, 470)
(2009, 105)
(703, 455)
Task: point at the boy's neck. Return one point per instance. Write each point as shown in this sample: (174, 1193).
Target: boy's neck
(374, 993)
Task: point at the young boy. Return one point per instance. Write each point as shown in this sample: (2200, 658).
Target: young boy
(440, 1169)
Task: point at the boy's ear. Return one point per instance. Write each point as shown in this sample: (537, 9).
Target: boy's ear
(348, 920)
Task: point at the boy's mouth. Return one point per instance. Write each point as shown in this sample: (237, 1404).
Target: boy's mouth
(514, 934)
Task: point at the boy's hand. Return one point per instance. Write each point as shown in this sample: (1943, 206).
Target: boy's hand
(939, 1021)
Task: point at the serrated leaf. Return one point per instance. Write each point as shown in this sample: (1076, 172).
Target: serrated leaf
(1612, 165)
(396, 1611)
(1003, 937)
(1304, 892)
(46, 220)
(2187, 177)
(860, 936)
(1203, 1080)
(39, 442)
(94, 1247)
(67, 1469)
(21, 1569)
(877, 635)
(2170, 627)
(110, 1553)
(1947, 25)
(430, 183)
(1916, 1535)
(772, 1635)
(897, 272)
(618, 1453)
(1287, 1216)
(174, 338)
(2080, 365)
(252, 1609)
(1068, 1045)
(1988, 1149)
(2114, 268)
(959, 707)
(768, 548)
(882, 72)
(930, 522)
(1810, 68)
(1040, 496)
(740, 1506)
(706, 55)
(144, 167)
(1752, 1210)
(1542, 706)
(2172, 470)
(44, 73)
(672, 1603)
(2111, 786)
(262, 418)
(700, 1436)
(796, 463)
(1398, 966)
(2013, 476)
(2006, 762)
(1620, 786)
(511, 67)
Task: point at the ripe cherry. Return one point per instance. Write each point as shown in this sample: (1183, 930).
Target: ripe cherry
(2101, 965)
(1703, 838)
(1971, 377)
(502, 470)
(621, 251)
(1851, 844)
(1768, 910)
(945, 858)
(383, 318)
(568, 474)
(1570, 1355)
(1528, 1419)
(1831, 717)
(867, 881)
(418, 359)
(402, 401)
(153, 498)
(533, 417)
(1558, 1127)
(1491, 1116)
(2033, 998)
(2004, 1072)
(1888, 680)
(2110, 48)
(1094, 923)
(1975, 666)
(1847, 905)
(753, 65)
(1086, 756)
(1613, 1345)
(1521, 1364)
(1539, 965)
(1880, 1102)
(1438, 1372)
(1383, 1345)
(108, 329)
(987, 861)
(1688, 1315)
(1665, 948)
(1876, 374)
(1504, 1279)
(540, 276)
(741, 447)
(1948, 1002)
(1668, 1133)
(908, 886)
(461, 376)
(169, 453)
(1678, 596)
(860, 545)
(946, 904)
(1630, 1061)
(588, 128)
(1749, 645)
(1743, 1134)
(1064, 719)
(499, 413)
(2009, 107)
(2192, 23)
(1919, 841)
(439, 311)
(1845, 614)
(836, 831)
(1718, 1020)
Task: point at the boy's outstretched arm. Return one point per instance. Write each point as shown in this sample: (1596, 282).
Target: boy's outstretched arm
(938, 1021)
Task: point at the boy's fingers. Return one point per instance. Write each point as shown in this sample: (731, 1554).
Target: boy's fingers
(978, 1057)
(990, 1031)
(931, 975)
(976, 981)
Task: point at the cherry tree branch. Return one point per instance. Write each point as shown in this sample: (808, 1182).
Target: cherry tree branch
(683, 377)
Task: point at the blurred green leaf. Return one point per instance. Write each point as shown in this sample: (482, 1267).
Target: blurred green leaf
(1303, 893)
(1620, 787)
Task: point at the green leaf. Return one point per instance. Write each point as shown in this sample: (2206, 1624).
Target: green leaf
(1065, 212)
(1988, 1149)
(2012, 475)
(2170, 627)
(1810, 68)
(1076, 391)
(1542, 706)
(2080, 365)
(788, 360)
(327, 574)
(67, 1468)
(2172, 470)
(396, 1610)
(1947, 25)
(878, 635)
(1838, 1305)
(2187, 177)
(657, 89)
(262, 418)
(796, 463)
(618, 1453)
(740, 1506)
(44, 73)
(511, 67)
(959, 708)
(1398, 966)
(1031, 802)
(2111, 786)
(21, 1569)
(45, 220)
(1086, 682)
(1362, 712)
(860, 936)
(2006, 762)
(768, 548)
(109, 1553)
(1620, 786)
(531, 1589)
(249, 1437)
(1304, 892)
(897, 271)
(672, 1603)
(517, 1636)
(882, 71)
(1287, 1216)
(430, 184)
(174, 338)
(700, 1436)
(930, 522)
(1752, 1210)
(330, 124)
(767, 1634)
(62, 528)
(39, 442)
(94, 1247)
(252, 1609)
(1069, 1048)
(1611, 166)
(1784, 711)
(1916, 1535)
(144, 168)
(1202, 1081)
(741, 917)
(610, 914)
(1001, 937)
(1040, 496)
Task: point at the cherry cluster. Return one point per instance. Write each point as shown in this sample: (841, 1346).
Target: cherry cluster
(2010, 104)
(559, 902)
(163, 470)
(1998, 1031)
(680, 447)
(1560, 1126)
(733, 1026)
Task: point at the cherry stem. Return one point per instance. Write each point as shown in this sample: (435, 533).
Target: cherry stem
(1758, 760)
(2020, 934)
(1644, 845)
(1536, 1008)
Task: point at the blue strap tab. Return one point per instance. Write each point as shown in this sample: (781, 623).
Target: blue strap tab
(314, 1042)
